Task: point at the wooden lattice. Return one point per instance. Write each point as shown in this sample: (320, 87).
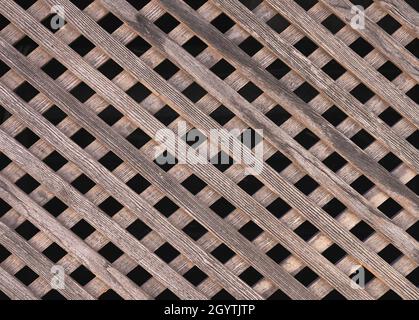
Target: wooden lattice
(80, 187)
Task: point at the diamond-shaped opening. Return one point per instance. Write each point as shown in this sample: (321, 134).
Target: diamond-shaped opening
(250, 184)
(362, 139)
(362, 230)
(389, 24)
(222, 69)
(250, 230)
(250, 276)
(26, 275)
(194, 46)
(83, 184)
(250, 91)
(26, 91)
(138, 229)
(110, 206)
(110, 295)
(222, 161)
(82, 275)
(110, 252)
(54, 115)
(82, 92)
(4, 253)
(334, 69)
(166, 252)
(390, 161)
(138, 92)
(110, 115)
(139, 275)
(194, 92)
(223, 253)
(250, 46)
(390, 208)
(222, 115)
(306, 276)
(54, 68)
(167, 295)
(333, 23)
(251, 4)
(138, 138)
(278, 161)
(278, 69)
(110, 160)
(222, 207)
(82, 45)
(195, 230)
(306, 92)
(55, 161)
(278, 115)
(167, 22)
(306, 46)
(390, 116)
(335, 162)
(306, 138)
(55, 206)
(362, 184)
(110, 69)
(166, 69)
(25, 45)
(334, 207)
(361, 47)
(278, 253)
(389, 70)
(334, 253)
(27, 138)
(138, 183)
(195, 276)
(138, 46)
(194, 184)
(166, 207)
(110, 22)
(278, 207)
(27, 184)
(54, 252)
(166, 115)
(222, 23)
(278, 23)
(82, 138)
(390, 253)
(306, 230)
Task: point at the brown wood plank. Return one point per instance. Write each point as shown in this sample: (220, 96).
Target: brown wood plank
(39, 263)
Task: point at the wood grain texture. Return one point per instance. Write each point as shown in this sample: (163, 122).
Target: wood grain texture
(279, 212)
